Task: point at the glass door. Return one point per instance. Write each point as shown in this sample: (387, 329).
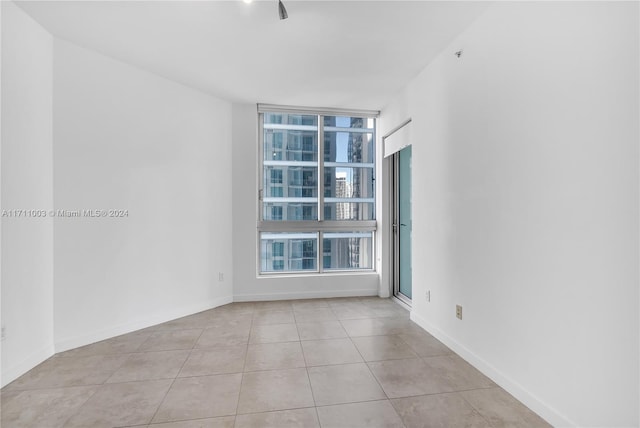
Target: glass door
(402, 224)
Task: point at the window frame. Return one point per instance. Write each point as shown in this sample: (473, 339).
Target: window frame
(319, 226)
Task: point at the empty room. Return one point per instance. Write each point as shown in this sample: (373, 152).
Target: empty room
(314, 213)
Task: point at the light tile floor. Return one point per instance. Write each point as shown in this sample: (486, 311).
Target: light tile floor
(349, 362)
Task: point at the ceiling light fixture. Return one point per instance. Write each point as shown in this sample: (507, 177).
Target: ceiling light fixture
(248, 1)
(282, 12)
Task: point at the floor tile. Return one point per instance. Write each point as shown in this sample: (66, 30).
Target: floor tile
(235, 322)
(200, 397)
(275, 390)
(221, 422)
(314, 315)
(438, 410)
(352, 311)
(404, 378)
(459, 374)
(425, 344)
(271, 333)
(377, 326)
(347, 383)
(269, 356)
(121, 404)
(145, 330)
(150, 365)
(171, 340)
(380, 303)
(125, 380)
(334, 301)
(299, 418)
(124, 344)
(370, 299)
(213, 361)
(223, 336)
(7, 395)
(321, 330)
(196, 321)
(230, 318)
(390, 312)
(44, 407)
(237, 307)
(303, 305)
(376, 348)
(501, 409)
(330, 351)
(70, 371)
(360, 415)
(206, 319)
(273, 317)
(274, 305)
(383, 308)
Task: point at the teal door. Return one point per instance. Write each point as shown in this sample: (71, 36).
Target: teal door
(403, 223)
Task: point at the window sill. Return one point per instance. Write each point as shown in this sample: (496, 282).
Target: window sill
(316, 274)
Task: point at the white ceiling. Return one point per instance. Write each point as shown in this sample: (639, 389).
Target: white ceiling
(349, 54)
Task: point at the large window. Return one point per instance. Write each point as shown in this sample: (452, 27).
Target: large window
(317, 192)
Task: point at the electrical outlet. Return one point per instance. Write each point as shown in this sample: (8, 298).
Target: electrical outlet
(3, 332)
(428, 295)
(220, 276)
(459, 312)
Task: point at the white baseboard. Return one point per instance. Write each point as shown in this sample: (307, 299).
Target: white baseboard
(304, 295)
(14, 372)
(545, 411)
(86, 339)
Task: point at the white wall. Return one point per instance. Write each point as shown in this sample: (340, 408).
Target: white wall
(1, 205)
(27, 173)
(247, 285)
(525, 204)
(128, 139)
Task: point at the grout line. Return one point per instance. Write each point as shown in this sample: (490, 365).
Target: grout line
(176, 376)
(306, 369)
(474, 407)
(44, 388)
(480, 388)
(354, 402)
(131, 426)
(81, 406)
(369, 368)
(179, 421)
(375, 378)
(133, 333)
(276, 411)
(206, 375)
(333, 312)
(57, 356)
(244, 366)
(317, 416)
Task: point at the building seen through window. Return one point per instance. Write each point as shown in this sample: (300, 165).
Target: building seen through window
(318, 171)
